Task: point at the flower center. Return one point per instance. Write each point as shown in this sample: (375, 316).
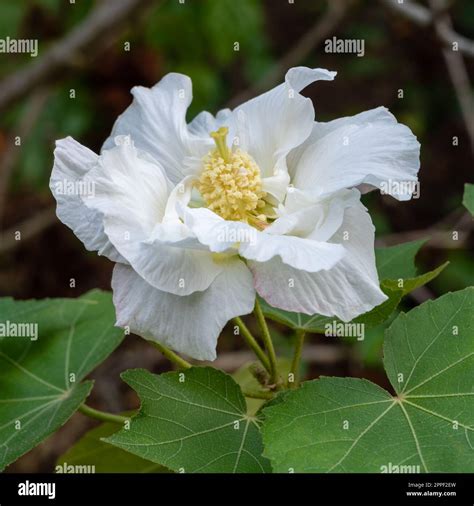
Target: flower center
(230, 183)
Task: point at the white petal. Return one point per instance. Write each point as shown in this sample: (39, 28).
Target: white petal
(189, 324)
(347, 290)
(205, 123)
(156, 120)
(277, 184)
(132, 193)
(215, 232)
(171, 229)
(272, 124)
(223, 236)
(297, 252)
(313, 218)
(370, 148)
(72, 162)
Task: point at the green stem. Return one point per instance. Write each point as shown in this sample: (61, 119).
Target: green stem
(295, 364)
(258, 394)
(267, 339)
(252, 342)
(102, 415)
(171, 355)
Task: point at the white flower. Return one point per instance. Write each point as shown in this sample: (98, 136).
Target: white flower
(199, 217)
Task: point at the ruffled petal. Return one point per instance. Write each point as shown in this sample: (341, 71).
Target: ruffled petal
(190, 324)
(156, 120)
(313, 218)
(273, 123)
(370, 148)
(204, 123)
(299, 253)
(131, 192)
(72, 161)
(347, 290)
(224, 236)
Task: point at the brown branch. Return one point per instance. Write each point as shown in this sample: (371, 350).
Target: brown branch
(456, 68)
(100, 29)
(437, 237)
(11, 154)
(336, 12)
(84, 42)
(421, 294)
(28, 229)
(422, 16)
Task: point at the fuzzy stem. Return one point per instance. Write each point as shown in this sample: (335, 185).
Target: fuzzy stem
(252, 342)
(295, 364)
(102, 415)
(267, 339)
(258, 394)
(171, 355)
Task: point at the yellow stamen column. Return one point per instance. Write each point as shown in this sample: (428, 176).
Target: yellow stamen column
(230, 183)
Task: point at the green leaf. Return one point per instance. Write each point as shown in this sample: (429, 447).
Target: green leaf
(192, 421)
(407, 285)
(90, 451)
(468, 198)
(370, 349)
(353, 425)
(40, 380)
(397, 270)
(398, 261)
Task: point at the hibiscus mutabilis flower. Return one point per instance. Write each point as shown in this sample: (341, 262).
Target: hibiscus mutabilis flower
(170, 199)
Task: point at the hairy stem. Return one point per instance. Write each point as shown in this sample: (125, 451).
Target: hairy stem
(102, 415)
(171, 355)
(258, 394)
(295, 364)
(267, 339)
(252, 342)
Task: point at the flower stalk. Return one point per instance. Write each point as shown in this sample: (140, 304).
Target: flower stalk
(295, 364)
(253, 344)
(258, 394)
(267, 339)
(171, 355)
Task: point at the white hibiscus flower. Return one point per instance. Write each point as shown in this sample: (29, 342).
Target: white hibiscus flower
(200, 217)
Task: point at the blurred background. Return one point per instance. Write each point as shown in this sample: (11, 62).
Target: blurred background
(91, 53)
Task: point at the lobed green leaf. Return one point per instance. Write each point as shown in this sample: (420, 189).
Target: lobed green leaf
(40, 376)
(192, 421)
(353, 425)
(90, 452)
